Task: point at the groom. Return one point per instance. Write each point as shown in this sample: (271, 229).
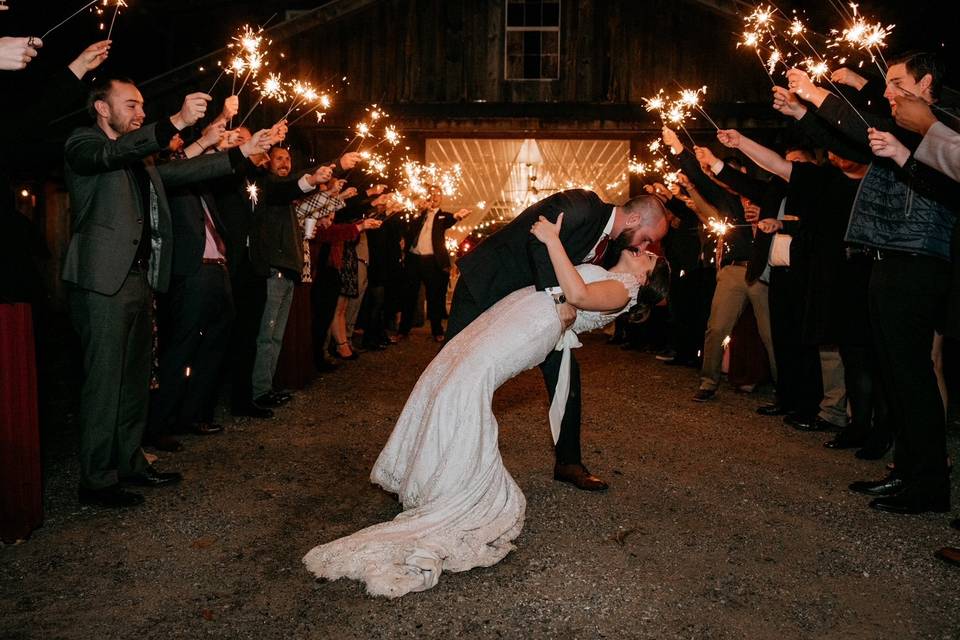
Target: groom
(510, 259)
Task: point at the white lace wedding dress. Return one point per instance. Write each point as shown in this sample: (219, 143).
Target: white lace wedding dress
(461, 507)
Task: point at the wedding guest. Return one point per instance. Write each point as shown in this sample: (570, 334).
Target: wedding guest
(428, 263)
(120, 252)
(905, 314)
(733, 291)
(280, 242)
(196, 312)
(22, 295)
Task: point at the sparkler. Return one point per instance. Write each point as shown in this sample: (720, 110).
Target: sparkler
(865, 36)
(691, 98)
(68, 19)
(116, 11)
(253, 192)
(271, 88)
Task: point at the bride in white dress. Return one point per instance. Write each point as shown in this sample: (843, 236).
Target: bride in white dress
(461, 507)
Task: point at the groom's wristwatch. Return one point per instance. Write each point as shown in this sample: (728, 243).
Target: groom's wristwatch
(559, 298)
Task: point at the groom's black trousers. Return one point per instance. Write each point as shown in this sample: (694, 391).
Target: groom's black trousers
(464, 309)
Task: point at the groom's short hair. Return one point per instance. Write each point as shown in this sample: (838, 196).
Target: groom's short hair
(647, 206)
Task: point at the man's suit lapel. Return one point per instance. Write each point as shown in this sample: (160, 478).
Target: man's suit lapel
(584, 242)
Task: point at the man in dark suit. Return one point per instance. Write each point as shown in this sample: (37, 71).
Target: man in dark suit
(119, 252)
(197, 311)
(511, 258)
(428, 262)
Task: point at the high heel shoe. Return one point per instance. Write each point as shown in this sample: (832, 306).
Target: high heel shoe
(340, 356)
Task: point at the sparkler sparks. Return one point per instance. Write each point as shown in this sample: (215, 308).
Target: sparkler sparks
(253, 192)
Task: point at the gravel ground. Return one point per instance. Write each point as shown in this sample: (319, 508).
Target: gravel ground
(719, 524)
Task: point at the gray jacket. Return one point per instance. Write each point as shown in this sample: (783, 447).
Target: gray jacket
(940, 149)
(107, 209)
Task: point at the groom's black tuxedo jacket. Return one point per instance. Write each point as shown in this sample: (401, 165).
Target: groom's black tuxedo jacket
(512, 258)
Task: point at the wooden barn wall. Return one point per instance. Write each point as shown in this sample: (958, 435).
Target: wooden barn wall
(437, 51)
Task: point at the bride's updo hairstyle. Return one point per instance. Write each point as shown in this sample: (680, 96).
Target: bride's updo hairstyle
(651, 293)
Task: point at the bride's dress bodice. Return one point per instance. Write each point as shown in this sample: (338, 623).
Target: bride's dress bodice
(462, 508)
(590, 320)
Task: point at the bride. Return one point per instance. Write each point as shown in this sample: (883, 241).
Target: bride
(461, 507)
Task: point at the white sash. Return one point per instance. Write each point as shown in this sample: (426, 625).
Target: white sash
(567, 341)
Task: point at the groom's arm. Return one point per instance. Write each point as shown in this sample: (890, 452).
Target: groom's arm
(544, 276)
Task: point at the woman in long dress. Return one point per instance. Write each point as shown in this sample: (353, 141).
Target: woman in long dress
(461, 507)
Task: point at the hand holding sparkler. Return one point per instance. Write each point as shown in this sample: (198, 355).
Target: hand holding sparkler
(705, 157)
(16, 53)
(885, 145)
(349, 192)
(913, 114)
(848, 77)
(231, 106)
(751, 212)
(799, 83)
(194, 107)
(320, 176)
(729, 138)
(349, 160)
(91, 58)
(461, 214)
(770, 225)
(260, 142)
(212, 134)
(671, 139)
(787, 103)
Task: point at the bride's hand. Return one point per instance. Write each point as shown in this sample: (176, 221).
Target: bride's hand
(544, 230)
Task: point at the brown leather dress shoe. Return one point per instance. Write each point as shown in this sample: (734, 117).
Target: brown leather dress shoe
(163, 443)
(578, 476)
(950, 555)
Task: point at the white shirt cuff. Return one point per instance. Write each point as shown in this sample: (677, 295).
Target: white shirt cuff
(717, 167)
(304, 185)
(550, 291)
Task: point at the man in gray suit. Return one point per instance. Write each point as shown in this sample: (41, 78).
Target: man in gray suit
(121, 250)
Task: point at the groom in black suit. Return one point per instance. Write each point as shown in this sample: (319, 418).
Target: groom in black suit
(510, 259)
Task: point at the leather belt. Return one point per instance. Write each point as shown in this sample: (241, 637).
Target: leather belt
(219, 261)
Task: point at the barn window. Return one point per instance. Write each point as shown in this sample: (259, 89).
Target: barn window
(532, 47)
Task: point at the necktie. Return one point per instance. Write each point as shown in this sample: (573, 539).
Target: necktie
(212, 229)
(601, 249)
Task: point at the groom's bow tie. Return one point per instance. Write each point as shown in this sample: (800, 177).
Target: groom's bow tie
(601, 249)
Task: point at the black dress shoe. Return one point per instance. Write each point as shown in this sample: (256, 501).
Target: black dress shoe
(283, 397)
(153, 478)
(112, 497)
(955, 523)
(206, 428)
(374, 346)
(913, 501)
(775, 409)
(891, 485)
(805, 423)
(578, 476)
(252, 411)
(704, 395)
(268, 401)
(163, 443)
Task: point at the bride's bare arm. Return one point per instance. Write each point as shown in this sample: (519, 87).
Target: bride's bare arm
(607, 295)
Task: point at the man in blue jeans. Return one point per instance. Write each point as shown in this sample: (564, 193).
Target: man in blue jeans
(281, 245)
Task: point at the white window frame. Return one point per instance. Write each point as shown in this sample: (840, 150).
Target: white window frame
(507, 29)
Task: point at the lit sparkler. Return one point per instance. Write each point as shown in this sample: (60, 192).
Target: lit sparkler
(117, 4)
(253, 192)
(68, 19)
(271, 88)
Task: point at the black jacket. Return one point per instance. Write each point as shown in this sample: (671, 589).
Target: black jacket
(513, 258)
(442, 221)
(190, 227)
